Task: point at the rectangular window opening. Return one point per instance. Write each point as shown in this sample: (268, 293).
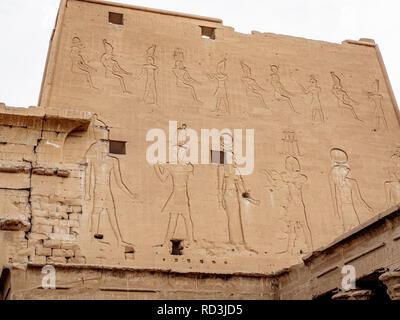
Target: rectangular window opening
(116, 18)
(117, 147)
(207, 33)
(218, 157)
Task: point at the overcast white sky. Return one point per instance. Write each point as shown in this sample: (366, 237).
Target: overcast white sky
(25, 28)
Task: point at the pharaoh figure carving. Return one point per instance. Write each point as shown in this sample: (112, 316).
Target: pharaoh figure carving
(79, 65)
(287, 187)
(343, 98)
(280, 91)
(149, 71)
(232, 193)
(314, 90)
(183, 78)
(348, 203)
(392, 186)
(102, 169)
(113, 69)
(377, 99)
(178, 203)
(251, 84)
(222, 104)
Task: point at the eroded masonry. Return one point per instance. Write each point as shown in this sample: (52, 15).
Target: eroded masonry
(79, 194)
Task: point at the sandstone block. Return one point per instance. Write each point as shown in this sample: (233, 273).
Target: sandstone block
(37, 236)
(42, 229)
(61, 229)
(62, 237)
(63, 253)
(70, 245)
(56, 259)
(53, 244)
(80, 260)
(41, 251)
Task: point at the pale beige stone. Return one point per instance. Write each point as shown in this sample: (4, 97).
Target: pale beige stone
(324, 191)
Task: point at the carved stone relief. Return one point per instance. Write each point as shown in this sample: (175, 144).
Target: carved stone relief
(377, 99)
(290, 144)
(286, 191)
(149, 71)
(313, 89)
(102, 168)
(348, 203)
(392, 185)
(252, 87)
(280, 92)
(183, 78)
(112, 66)
(221, 95)
(232, 192)
(79, 65)
(345, 102)
(178, 202)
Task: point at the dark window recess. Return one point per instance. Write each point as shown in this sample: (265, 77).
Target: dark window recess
(117, 147)
(218, 157)
(207, 33)
(176, 247)
(115, 18)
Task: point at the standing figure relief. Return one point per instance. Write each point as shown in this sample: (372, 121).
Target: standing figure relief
(377, 99)
(346, 196)
(251, 84)
(392, 185)
(345, 102)
(102, 168)
(149, 71)
(287, 191)
(222, 104)
(183, 78)
(112, 67)
(314, 90)
(178, 202)
(79, 65)
(231, 194)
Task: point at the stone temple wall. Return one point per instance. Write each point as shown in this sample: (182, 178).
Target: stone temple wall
(77, 189)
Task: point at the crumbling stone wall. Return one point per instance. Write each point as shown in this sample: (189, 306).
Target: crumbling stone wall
(40, 197)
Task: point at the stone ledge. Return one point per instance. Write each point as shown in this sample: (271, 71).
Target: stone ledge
(82, 117)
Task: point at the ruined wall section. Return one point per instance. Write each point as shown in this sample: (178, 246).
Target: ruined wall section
(41, 196)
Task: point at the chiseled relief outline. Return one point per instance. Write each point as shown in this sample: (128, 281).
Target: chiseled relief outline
(345, 192)
(98, 189)
(112, 66)
(78, 63)
(252, 85)
(286, 191)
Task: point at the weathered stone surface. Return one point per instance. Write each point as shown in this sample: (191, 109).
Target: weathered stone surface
(83, 187)
(353, 295)
(41, 251)
(11, 224)
(54, 244)
(63, 253)
(392, 282)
